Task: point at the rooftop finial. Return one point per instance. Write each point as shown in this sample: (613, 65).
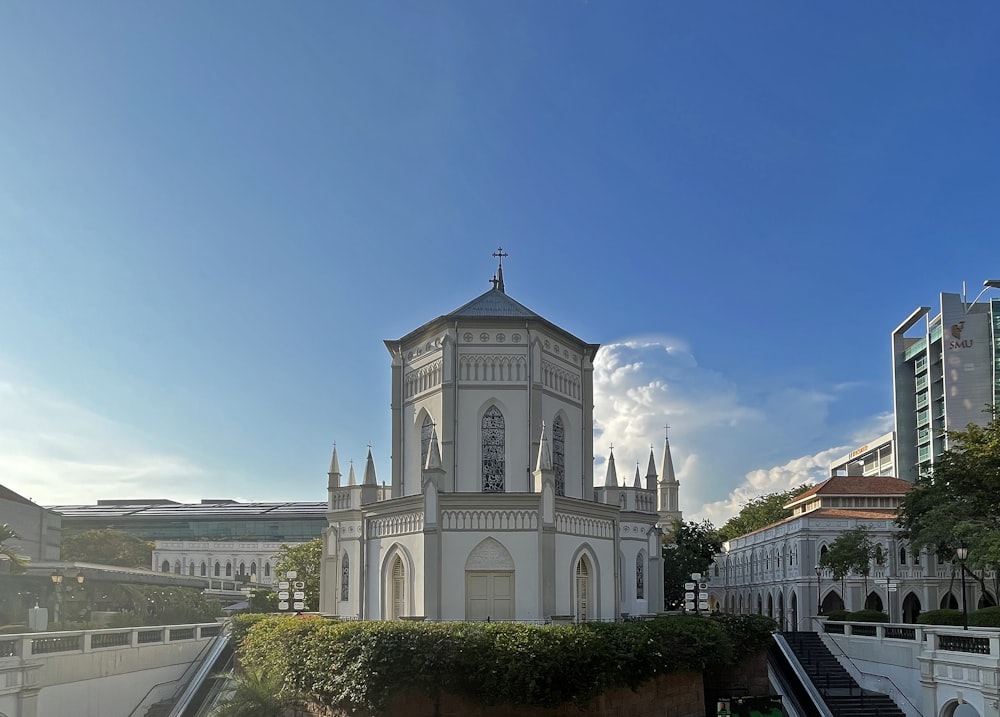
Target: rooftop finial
(497, 280)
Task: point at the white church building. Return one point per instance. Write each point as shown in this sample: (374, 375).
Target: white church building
(492, 512)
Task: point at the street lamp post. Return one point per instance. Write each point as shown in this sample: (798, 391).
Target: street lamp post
(987, 285)
(57, 579)
(819, 601)
(962, 552)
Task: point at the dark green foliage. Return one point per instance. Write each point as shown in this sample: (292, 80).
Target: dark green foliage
(867, 616)
(255, 694)
(760, 512)
(107, 546)
(688, 549)
(363, 665)
(749, 634)
(985, 617)
(940, 617)
(838, 615)
(957, 501)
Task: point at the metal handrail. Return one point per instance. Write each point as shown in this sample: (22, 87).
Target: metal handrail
(203, 673)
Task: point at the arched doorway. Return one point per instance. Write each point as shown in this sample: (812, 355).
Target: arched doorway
(949, 602)
(873, 602)
(911, 608)
(489, 582)
(770, 606)
(795, 612)
(583, 601)
(986, 600)
(832, 601)
(781, 612)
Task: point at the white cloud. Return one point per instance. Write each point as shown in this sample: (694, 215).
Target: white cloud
(55, 452)
(727, 447)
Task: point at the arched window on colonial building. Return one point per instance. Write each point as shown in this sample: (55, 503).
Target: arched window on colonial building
(426, 430)
(640, 576)
(345, 578)
(559, 455)
(493, 442)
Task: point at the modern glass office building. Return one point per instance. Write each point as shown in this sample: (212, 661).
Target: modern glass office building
(211, 520)
(946, 372)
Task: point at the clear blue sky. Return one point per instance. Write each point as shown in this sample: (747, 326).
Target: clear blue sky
(212, 214)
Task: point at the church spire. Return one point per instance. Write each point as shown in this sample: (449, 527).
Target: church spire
(334, 472)
(611, 478)
(637, 482)
(668, 464)
(497, 280)
(351, 480)
(651, 474)
(370, 469)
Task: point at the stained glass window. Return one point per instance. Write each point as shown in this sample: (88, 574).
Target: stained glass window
(345, 578)
(559, 455)
(640, 570)
(493, 451)
(425, 440)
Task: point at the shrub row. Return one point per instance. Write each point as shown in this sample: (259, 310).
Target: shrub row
(857, 616)
(363, 665)
(984, 617)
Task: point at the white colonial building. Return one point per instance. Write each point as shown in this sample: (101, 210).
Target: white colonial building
(492, 511)
(773, 571)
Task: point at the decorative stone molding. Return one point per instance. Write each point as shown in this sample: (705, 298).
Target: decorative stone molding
(493, 368)
(489, 520)
(489, 555)
(392, 525)
(582, 525)
(424, 378)
(560, 380)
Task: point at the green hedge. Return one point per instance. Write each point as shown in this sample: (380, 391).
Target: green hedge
(985, 617)
(867, 616)
(940, 617)
(363, 665)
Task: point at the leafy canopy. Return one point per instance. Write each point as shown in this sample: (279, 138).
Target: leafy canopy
(851, 552)
(760, 512)
(304, 559)
(7, 551)
(689, 548)
(107, 546)
(957, 500)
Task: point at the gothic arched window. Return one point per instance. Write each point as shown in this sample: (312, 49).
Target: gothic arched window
(345, 578)
(559, 455)
(425, 440)
(640, 577)
(204, 569)
(217, 569)
(493, 450)
(165, 568)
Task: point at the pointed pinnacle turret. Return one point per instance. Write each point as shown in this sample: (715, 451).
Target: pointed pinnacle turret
(637, 483)
(433, 452)
(668, 464)
(370, 478)
(334, 472)
(544, 462)
(351, 480)
(651, 474)
(611, 478)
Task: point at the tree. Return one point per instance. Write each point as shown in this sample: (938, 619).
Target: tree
(851, 552)
(255, 694)
(304, 560)
(760, 512)
(956, 501)
(107, 546)
(18, 562)
(689, 548)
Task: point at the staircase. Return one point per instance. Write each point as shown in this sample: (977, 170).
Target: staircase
(842, 694)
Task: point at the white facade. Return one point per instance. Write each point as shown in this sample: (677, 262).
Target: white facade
(491, 512)
(249, 561)
(772, 571)
(874, 458)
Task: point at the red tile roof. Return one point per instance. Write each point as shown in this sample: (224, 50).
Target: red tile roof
(856, 485)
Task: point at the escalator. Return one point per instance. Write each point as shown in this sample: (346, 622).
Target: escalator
(208, 682)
